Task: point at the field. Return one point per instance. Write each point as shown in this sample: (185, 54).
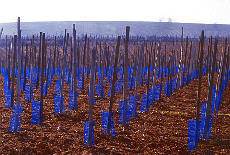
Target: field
(157, 125)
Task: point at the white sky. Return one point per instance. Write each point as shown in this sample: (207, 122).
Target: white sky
(188, 11)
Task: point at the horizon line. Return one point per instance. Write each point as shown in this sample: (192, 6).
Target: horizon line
(116, 21)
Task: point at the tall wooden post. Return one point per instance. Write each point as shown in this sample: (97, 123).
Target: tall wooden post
(113, 83)
(83, 66)
(13, 69)
(6, 53)
(19, 63)
(148, 79)
(200, 74)
(39, 59)
(55, 50)
(154, 70)
(42, 76)
(125, 91)
(91, 95)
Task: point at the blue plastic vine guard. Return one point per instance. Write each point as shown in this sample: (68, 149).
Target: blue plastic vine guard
(81, 83)
(193, 134)
(28, 93)
(73, 100)
(105, 121)
(100, 91)
(86, 133)
(59, 106)
(36, 109)
(122, 113)
(15, 121)
(8, 96)
(144, 102)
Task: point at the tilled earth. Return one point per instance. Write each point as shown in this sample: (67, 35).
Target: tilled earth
(162, 130)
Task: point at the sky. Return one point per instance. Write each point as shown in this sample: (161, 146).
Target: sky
(183, 11)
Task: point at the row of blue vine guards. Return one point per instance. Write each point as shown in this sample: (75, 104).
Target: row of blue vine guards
(131, 109)
(202, 129)
(57, 91)
(73, 95)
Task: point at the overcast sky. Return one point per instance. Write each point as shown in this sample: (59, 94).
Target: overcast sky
(188, 11)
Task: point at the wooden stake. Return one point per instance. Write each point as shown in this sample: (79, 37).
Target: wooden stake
(91, 95)
(42, 76)
(113, 83)
(200, 74)
(13, 69)
(149, 62)
(125, 91)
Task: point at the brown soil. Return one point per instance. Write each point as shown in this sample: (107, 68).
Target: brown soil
(162, 130)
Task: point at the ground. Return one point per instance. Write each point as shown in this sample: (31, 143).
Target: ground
(162, 130)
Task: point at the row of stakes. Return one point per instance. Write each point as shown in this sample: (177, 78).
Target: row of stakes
(132, 105)
(127, 80)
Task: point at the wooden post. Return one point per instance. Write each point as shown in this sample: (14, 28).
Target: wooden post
(31, 68)
(25, 64)
(19, 63)
(83, 66)
(13, 70)
(35, 56)
(148, 79)
(228, 62)
(135, 71)
(45, 59)
(189, 61)
(125, 91)
(209, 105)
(42, 76)
(6, 52)
(209, 61)
(168, 78)
(165, 60)
(198, 54)
(22, 57)
(9, 63)
(162, 64)
(200, 74)
(185, 57)
(78, 62)
(63, 66)
(113, 84)
(55, 50)
(223, 66)
(154, 70)
(180, 59)
(74, 61)
(39, 59)
(91, 95)
(100, 58)
(88, 58)
(222, 70)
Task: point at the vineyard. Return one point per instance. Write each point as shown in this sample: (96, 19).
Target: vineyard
(124, 94)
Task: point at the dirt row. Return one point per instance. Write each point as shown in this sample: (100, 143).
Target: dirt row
(162, 130)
